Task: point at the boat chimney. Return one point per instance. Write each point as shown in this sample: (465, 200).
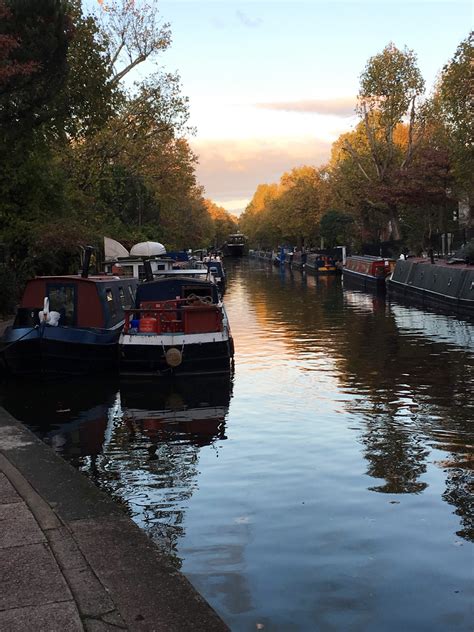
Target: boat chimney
(148, 270)
(87, 262)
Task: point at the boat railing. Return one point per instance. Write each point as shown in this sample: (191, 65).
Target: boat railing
(194, 314)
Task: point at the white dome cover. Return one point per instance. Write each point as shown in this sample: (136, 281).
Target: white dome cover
(148, 249)
(113, 249)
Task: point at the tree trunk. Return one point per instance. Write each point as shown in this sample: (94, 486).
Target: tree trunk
(395, 222)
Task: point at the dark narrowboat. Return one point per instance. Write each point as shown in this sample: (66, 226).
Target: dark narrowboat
(178, 326)
(439, 284)
(215, 267)
(67, 325)
(235, 245)
(367, 272)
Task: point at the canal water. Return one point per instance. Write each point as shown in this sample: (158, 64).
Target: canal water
(326, 486)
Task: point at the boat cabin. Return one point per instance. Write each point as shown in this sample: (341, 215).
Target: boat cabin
(376, 267)
(133, 267)
(92, 302)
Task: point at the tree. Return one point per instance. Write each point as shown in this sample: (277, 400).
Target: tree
(11, 68)
(453, 105)
(390, 87)
(133, 33)
(224, 223)
(336, 228)
(90, 94)
(298, 209)
(257, 220)
(36, 36)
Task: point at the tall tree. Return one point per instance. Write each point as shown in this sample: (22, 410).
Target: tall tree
(454, 105)
(390, 87)
(34, 68)
(133, 32)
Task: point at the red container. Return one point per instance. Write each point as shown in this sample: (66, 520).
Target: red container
(147, 325)
(164, 310)
(202, 319)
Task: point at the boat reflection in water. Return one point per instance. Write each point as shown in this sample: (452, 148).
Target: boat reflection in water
(190, 410)
(152, 464)
(73, 417)
(139, 441)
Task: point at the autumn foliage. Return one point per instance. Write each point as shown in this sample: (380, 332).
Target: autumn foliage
(399, 175)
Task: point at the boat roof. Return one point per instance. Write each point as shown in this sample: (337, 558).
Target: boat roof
(182, 272)
(369, 258)
(169, 286)
(77, 278)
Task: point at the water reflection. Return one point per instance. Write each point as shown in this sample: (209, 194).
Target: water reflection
(189, 410)
(325, 485)
(138, 440)
(71, 416)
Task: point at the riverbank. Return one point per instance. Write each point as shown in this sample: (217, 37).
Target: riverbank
(72, 560)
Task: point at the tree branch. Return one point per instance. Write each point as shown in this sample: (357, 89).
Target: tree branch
(354, 155)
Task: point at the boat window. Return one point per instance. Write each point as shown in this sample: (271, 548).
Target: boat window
(110, 302)
(123, 299)
(62, 299)
(131, 291)
(126, 271)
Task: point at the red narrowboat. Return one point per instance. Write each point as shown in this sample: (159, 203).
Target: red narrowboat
(68, 325)
(367, 272)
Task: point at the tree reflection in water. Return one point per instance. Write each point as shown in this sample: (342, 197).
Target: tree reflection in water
(409, 373)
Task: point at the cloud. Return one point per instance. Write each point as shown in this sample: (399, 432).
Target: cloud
(230, 170)
(342, 106)
(247, 20)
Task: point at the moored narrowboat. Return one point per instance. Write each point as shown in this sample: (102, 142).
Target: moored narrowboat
(367, 272)
(321, 264)
(216, 269)
(178, 326)
(67, 325)
(439, 284)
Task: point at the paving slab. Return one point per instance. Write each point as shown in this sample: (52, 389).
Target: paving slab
(91, 597)
(65, 549)
(92, 625)
(30, 577)
(18, 526)
(8, 494)
(61, 617)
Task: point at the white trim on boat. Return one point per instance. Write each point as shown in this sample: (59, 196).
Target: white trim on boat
(173, 339)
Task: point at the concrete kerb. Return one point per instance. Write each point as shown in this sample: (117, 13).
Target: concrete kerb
(117, 576)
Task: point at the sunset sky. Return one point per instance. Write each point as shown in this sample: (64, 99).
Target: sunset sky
(272, 84)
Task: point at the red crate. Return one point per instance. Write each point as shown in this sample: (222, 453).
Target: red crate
(171, 326)
(202, 319)
(166, 309)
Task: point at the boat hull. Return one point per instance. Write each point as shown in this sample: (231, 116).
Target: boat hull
(148, 355)
(59, 351)
(364, 281)
(435, 285)
(322, 271)
(235, 250)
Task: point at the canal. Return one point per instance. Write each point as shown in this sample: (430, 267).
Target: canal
(326, 486)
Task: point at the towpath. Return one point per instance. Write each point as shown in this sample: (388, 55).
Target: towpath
(72, 560)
